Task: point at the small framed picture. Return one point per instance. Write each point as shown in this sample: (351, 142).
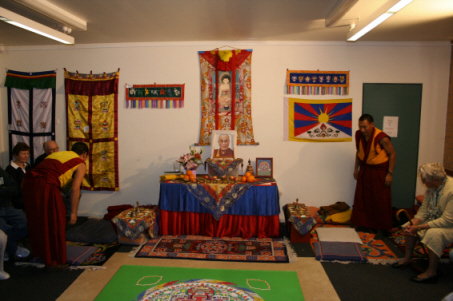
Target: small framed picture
(223, 145)
(264, 167)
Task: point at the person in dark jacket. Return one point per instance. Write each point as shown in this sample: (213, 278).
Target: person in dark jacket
(17, 169)
(12, 221)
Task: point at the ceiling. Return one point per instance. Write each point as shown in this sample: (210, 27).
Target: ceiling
(138, 21)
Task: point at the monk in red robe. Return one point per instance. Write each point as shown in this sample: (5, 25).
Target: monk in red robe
(374, 164)
(44, 206)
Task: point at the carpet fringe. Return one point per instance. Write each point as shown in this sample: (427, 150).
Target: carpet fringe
(292, 255)
(87, 267)
(383, 261)
(30, 264)
(134, 250)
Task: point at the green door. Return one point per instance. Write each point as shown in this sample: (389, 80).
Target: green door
(403, 101)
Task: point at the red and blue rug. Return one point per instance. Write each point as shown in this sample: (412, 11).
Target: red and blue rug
(208, 248)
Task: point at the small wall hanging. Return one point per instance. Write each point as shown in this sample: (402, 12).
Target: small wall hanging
(155, 96)
(318, 120)
(92, 117)
(302, 82)
(31, 109)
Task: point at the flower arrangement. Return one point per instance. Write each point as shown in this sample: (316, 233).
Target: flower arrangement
(191, 160)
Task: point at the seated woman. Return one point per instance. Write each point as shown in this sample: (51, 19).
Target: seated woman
(433, 222)
(17, 169)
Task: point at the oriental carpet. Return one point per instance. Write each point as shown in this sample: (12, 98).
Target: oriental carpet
(396, 235)
(134, 282)
(208, 248)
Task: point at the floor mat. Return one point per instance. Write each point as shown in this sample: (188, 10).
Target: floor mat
(133, 282)
(375, 250)
(208, 248)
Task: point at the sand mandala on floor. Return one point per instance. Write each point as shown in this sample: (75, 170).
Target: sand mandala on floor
(198, 289)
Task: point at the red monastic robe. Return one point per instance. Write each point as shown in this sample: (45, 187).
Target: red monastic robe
(44, 206)
(373, 200)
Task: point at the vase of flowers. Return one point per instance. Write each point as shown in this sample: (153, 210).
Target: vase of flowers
(192, 160)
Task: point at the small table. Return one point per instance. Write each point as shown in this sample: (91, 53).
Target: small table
(299, 222)
(132, 223)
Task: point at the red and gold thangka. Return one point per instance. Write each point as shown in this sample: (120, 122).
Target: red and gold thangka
(92, 117)
(226, 102)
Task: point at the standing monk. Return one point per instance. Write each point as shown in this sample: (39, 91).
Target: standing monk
(44, 206)
(373, 171)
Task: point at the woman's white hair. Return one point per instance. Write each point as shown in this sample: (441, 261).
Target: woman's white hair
(432, 172)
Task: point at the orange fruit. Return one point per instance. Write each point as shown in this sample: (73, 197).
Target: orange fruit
(186, 178)
(247, 174)
(192, 178)
(244, 179)
(250, 179)
(189, 172)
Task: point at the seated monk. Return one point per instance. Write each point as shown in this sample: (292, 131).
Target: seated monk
(224, 151)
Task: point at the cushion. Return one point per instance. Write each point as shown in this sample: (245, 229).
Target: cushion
(338, 235)
(341, 217)
(76, 255)
(342, 251)
(92, 231)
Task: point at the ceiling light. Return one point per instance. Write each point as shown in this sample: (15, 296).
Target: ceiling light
(52, 11)
(30, 25)
(379, 16)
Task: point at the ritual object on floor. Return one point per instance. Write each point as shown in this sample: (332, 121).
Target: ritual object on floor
(308, 120)
(226, 99)
(92, 111)
(134, 222)
(31, 98)
(155, 96)
(312, 82)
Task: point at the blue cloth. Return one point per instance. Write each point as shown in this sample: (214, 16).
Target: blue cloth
(257, 200)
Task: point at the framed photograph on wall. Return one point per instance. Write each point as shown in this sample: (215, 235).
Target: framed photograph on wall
(223, 145)
(264, 167)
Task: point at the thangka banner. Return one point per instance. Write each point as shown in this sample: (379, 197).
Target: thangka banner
(319, 120)
(31, 109)
(226, 98)
(92, 116)
(301, 82)
(155, 96)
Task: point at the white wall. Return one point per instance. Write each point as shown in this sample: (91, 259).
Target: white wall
(151, 139)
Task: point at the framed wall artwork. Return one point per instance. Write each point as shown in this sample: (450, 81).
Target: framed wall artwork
(264, 167)
(223, 145)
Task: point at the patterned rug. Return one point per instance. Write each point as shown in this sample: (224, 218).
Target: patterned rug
(208, 248)
(375, 250)
(98, 258)
(396, 235)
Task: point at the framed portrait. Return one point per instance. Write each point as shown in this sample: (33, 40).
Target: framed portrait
(264, 167)
(223, 145)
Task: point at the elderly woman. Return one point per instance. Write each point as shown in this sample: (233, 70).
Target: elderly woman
(433, 222)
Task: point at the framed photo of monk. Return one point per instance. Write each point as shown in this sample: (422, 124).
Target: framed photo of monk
(264, 167)
(223, 145)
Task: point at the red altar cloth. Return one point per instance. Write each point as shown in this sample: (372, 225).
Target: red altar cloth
(245, 226)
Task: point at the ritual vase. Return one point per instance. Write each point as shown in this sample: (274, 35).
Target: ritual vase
(194, 171)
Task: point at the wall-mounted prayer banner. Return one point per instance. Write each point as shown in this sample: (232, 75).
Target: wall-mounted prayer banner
(302, 82)
(226, 94)
(92, 118)
(319, 120)
(155, 96)
(31, 109)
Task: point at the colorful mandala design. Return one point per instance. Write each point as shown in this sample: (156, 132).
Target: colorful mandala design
(198, 290)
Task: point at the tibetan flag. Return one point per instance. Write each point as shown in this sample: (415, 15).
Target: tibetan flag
(320, 120)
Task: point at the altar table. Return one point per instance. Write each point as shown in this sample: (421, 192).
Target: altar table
(254, 214)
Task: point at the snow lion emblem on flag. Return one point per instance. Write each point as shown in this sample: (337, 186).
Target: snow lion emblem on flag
(320, 120)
